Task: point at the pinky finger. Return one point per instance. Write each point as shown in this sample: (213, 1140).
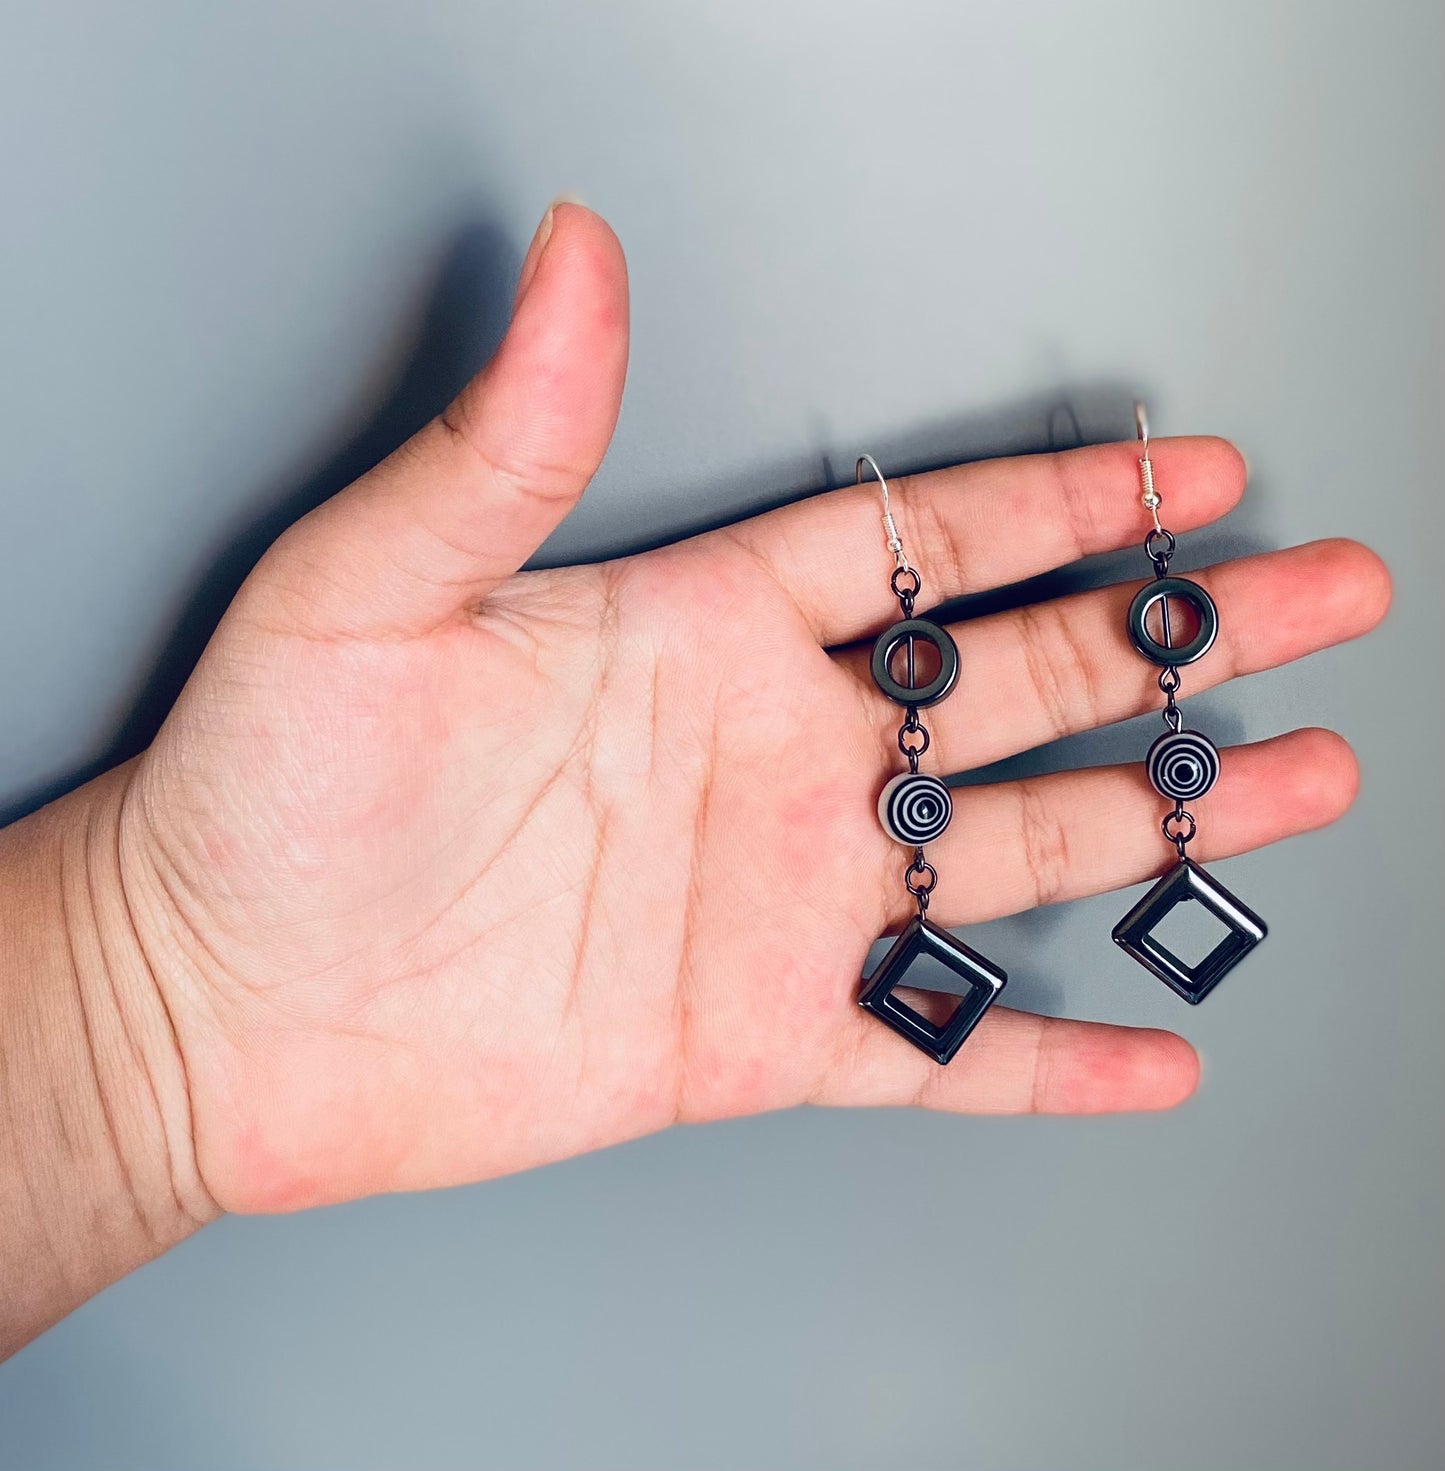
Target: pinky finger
(1016, 1063)
(1019, 1063)
(1017, 845)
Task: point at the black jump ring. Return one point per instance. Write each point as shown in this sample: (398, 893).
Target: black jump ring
(919, 730)
(920, 868)
(1174, 831)
(905, 592)
(1159, 546)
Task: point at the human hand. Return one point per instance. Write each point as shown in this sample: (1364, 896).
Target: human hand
(442, 870)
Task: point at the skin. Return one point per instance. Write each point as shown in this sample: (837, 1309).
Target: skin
(440, 870)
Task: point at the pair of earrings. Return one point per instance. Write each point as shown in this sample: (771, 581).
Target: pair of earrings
(915, 807)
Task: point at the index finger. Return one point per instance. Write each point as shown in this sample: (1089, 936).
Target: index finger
(978, 526)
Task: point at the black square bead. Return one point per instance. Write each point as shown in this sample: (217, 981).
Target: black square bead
(978, 984)
(1184, 883)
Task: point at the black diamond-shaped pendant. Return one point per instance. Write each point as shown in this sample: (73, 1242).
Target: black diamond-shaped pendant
(1186, 881)
(922, 948)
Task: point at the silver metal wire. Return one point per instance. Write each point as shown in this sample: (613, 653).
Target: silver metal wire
(1149, 496)
(895, 544)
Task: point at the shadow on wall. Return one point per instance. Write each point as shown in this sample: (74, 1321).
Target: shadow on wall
(468, 311)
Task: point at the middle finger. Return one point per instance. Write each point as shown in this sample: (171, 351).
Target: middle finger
(1034, 674)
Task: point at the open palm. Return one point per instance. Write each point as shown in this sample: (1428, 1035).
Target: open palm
(446, 869)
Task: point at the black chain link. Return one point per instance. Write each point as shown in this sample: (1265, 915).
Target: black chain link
(914, 880)
(1178, 826)
(1159, 547)
(920, 878)
(913, 738)
(1169, 683)
(906, 585)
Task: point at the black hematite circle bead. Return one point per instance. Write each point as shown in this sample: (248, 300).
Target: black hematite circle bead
(914, 808)
(1182, 765)
(1185, 591)
(892, 640)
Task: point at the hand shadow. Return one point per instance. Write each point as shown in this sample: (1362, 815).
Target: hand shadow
(467, 313)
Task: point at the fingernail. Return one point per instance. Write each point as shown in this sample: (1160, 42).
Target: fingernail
(533, 257)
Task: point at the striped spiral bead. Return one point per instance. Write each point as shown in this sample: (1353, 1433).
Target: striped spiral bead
(1182, 765)
(914, 809)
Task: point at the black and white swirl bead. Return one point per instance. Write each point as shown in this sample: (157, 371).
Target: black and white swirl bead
(1182, 765)
(914, 809)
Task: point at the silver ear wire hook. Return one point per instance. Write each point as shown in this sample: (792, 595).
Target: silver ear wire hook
(1150, 496)
(895, 544)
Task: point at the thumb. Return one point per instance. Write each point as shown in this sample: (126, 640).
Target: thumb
(464, 502)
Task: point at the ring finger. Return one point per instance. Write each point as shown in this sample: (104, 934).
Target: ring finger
(1014, 845)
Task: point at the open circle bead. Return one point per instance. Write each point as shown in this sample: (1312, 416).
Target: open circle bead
(1182, 590)
(933, 690)
(914, 808)
(1182, 765)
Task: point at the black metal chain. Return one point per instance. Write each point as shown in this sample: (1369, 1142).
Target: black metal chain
(906, 591)
(913, 738)
(914, 879)
(1169, 683)
(920, 878)
(1159, 546)
(1178, 826)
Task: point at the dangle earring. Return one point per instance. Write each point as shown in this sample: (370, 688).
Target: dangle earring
(915, 808)
(1182, 766)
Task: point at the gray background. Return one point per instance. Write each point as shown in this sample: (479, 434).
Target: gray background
(248, 248)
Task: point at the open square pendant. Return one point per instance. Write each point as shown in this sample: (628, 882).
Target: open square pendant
(927, 958)
(1184, 883)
